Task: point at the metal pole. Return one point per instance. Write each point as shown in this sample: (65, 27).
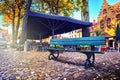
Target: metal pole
(118, 46)
(53, 36)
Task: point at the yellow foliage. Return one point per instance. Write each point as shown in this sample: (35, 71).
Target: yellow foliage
(8, 12)
(59, 7)
(67, 13)
(41, 1)
(61, 10)
(8, 20)
(116, 7)
(110, 32)
(70, 6)
(64, 2)
(78, 1)
(113, 21)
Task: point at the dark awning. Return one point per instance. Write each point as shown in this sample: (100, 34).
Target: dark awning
(43, 25)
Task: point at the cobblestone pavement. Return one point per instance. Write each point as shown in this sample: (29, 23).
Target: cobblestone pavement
(19, 65)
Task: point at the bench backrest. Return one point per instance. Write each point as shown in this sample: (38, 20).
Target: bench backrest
(96, 40)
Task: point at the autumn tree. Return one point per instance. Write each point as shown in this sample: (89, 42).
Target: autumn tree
(56, 7)
(24, 27)
(20, 14)
(85, 17)
(13, 11)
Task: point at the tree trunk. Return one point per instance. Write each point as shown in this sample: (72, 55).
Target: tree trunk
(13, 27)
(85, 17)
(13, 31)
(17, 27)
(23, 36)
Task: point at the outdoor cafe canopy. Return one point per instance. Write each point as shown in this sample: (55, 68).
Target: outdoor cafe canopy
(40, 25)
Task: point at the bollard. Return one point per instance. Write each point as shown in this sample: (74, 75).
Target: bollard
(26, 46)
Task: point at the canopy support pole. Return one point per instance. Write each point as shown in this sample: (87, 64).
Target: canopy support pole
(53, 36)
(118, 46)
(85, 32)
(40, 46)
(40, 38)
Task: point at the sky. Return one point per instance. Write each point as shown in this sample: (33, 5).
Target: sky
(94, 8)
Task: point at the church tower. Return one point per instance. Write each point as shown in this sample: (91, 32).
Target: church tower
(107, 20)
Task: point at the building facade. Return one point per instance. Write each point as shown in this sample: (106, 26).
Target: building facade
(107, 21)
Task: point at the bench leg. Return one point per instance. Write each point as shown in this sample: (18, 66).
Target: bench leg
(54, 54)
(93, 60)
(88, 62)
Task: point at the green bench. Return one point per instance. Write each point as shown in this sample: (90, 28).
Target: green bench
(91, 41)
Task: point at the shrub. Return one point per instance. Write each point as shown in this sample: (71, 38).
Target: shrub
(83, 47)
(57, 46)
(20, 47)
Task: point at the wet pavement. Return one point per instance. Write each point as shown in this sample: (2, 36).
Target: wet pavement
(32, 65)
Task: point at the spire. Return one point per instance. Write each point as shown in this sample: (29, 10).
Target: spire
(105, 2)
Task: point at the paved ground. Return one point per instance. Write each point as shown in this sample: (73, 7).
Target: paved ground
(19, 65)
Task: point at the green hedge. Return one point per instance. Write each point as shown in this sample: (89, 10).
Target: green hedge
(57, 46)
(83, 47)
(20, 47)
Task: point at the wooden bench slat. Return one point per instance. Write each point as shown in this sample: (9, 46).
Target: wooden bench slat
(97, 40)
(79, 43)
(81, 39)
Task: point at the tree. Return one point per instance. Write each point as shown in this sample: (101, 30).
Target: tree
(98, 31)
(20, 14)
(24, 28)
(56, 7)
(85, 17)
(118, 36)
(12, 12)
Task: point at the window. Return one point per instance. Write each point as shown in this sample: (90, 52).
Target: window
(105, 12)
(102, 24)
(119, 9)
(118, 17)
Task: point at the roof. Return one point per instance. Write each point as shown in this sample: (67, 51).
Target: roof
(44, 25)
